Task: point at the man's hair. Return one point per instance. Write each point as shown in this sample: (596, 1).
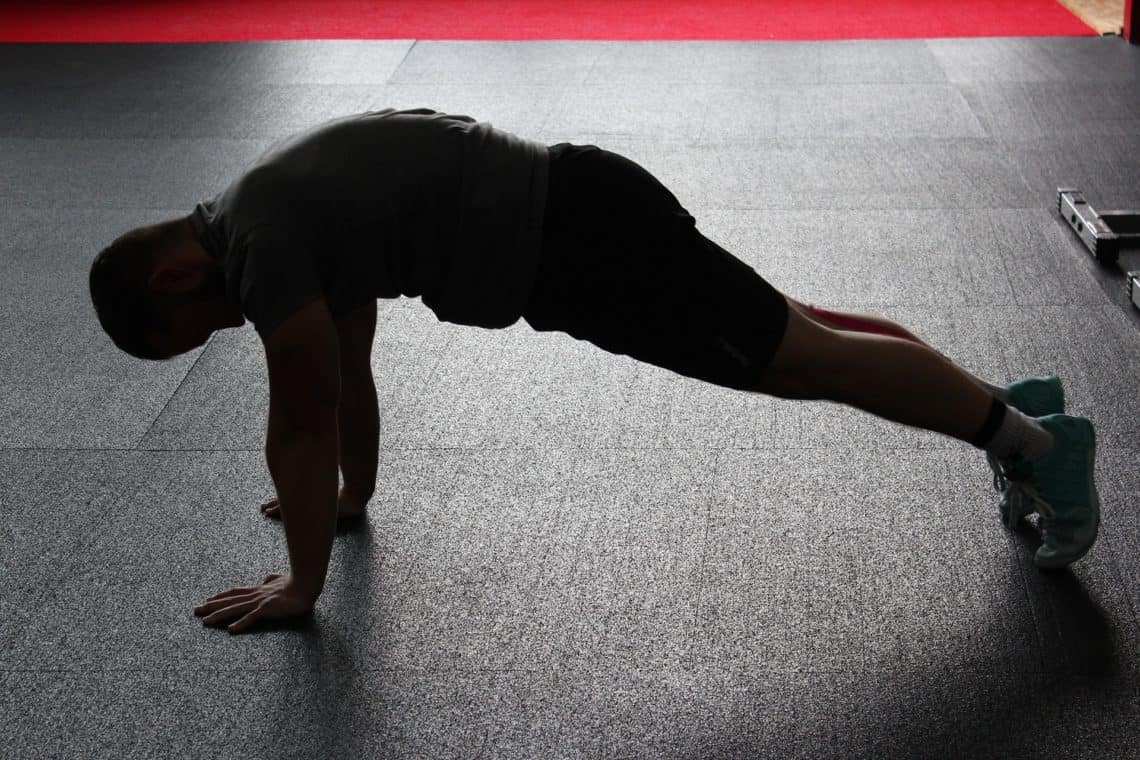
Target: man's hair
(128, 311)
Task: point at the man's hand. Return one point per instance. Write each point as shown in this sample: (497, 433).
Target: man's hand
(347, 505)
(276, 598)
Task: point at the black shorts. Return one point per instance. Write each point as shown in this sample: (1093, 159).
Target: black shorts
(623, 266)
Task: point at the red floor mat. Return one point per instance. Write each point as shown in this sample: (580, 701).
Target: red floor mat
(224, 20)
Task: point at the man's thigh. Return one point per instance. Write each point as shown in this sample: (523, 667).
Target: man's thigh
(676, 300)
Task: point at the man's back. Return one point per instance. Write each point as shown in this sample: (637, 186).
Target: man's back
(382, 204)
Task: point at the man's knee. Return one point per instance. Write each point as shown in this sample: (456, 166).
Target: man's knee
(806, 359)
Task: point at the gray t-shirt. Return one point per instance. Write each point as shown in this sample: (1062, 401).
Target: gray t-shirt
(382, 204)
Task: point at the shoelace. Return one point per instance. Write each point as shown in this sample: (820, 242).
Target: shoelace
(1000, 481)
(1021, 491)
(1020, 496)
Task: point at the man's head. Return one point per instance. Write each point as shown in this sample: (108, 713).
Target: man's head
(158, 293)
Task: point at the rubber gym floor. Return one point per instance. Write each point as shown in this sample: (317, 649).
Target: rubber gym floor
(570, 554)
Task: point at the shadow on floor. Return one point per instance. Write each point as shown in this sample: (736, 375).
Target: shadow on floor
(1067, 699)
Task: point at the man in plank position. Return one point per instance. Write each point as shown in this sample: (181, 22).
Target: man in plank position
(486, 227)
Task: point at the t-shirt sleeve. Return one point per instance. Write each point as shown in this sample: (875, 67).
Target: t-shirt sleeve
(278, 278)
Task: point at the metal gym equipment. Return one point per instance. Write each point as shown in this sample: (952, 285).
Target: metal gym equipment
(1103, 233)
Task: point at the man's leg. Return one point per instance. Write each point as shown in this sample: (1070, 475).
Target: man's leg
(858, 322)
(645, 283)
(890, 377)
(911, 383)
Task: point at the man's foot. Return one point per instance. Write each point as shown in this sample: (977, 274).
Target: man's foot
(1036, 397)
(1061, 487)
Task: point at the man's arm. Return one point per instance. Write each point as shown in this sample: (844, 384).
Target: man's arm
(301, 448)
(358, 415)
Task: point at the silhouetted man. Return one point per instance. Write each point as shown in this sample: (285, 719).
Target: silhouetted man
(486, 227)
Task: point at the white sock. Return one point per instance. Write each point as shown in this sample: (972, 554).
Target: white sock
(1019, 436)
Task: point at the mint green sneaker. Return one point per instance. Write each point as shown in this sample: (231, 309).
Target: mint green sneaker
(1062, 489)
(1037, 397)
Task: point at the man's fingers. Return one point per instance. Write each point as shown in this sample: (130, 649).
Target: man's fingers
(221, 604)
(228, 612)
(232, 592)
(251, 617)
(218, 604)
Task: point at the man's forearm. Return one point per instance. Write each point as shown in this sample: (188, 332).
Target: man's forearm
(358, 418)
(303, 468)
